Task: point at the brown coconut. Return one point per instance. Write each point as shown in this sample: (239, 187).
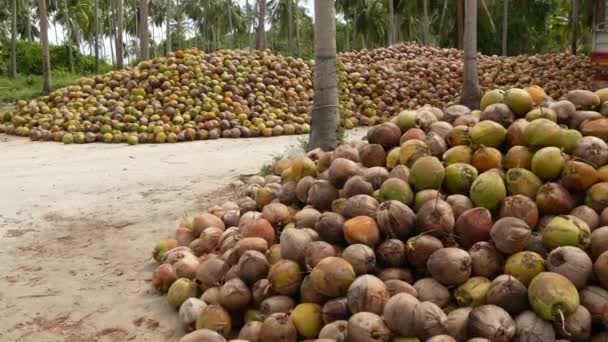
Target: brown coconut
(472, 226)
(430, 320)
(450, 266)
(357, 185)
(435, 217)
(329, 227)
(599, 242)
(395, 219)
(335, 310)
(399, 314)
(554, 199)
(419, 248)
(571, 262)
(510, 234)
(360, 205)
(508, 293)
(595, 299)
(521, 207)
(367, 327)
(375, 176)
(367, 293)
(361, 257)
(278, 327)
(430, 290)
(492, 322)
(395, 286)
(486, 260)
(321, 194)
(391, 253)
(459, 204)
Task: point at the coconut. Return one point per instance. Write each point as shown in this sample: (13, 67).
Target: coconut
(367, 293)
(321, 194)
(411, 134)
(419, 248)
(600, 267)
(163, 247)
(569, 138)
(450, 266)
(599, 242)
(436, 143)
(430, 290)
(441, 128)
(453, 112)
(186, 267)
(252, 266)
(366, 327)
(541, 113)
(396, 273)
(517, 157)
(459, 177)
(391, 253)
(362, 229)
(520, 207)
(315, 251)
(597, 127)
(335, 310)
(277, 214)
(183, 236)
(231, 218)
(597, 196)
(211, 295)
(211, 271)
(576, 327)
(553, 199)
(519, 101)
(180, 291)
(260, 228)
(498, 112)
(163, 277)
(376, 176)
(398, 190)
(472, 226)
(436, 218)
(595, 299)
(250, 331)
(457, 323)
(486, 261)
(360, 205)
(293, 244)
(552, 296)
(335, 331)
(203, 335)
(393, 158)
(486, 158)
(547, 163)
(564, 109)
(308, 294)
(249, 217)
(395, 219)
(307, 217)
(247, 244)
(488, 190)
(234, 294)
(306, 317)
(425, 196)
(395, 286)
(341, 170)
(302, 188)
(524, 266)
(357, 185)
(332, 277)
(472, 292)
(278, 327)
(583, 99)
(386, 134)
(410, 152)
(542, 132)
(510, 234)
(277, 304)
(532, 328)
(566, 230)
(487, 133)
(429, 320)
(459, 135)
(399, 314)
(515, 132)
(588, 215)
(458, 154)
(459, 204)
(508, 293)
(522, 182)
(426, 173)
(571, 262)
(492, 322)
(373, 155)
(592, 150)
(285, 277)
(329, 227)
(210, 240)
(361, 257)
(274, 254)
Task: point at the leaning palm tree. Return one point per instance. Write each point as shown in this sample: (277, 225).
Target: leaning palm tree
(325, 102)
(471, 93)
(13, 67)
(44, 41)
(144, 38)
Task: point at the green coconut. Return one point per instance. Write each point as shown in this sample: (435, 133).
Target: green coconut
(488, 190)
(307, 319)
(524, 266)
(602, 94)
(427, 173)
(458, 154)
(406, 120)
(566, 230)
(180, 291)
(412, 150)
(132, 140)
(552, 296)
(393, 158)
(541, 113)
(487, 133)
(522, 182)
(332, 277)
(473, 292)
(568, 139)
(398, 190)
(519, 101)
(460, 135)
(542, 132)
(517, 156)
(459, 177)
(162, 248)
(68, 138)
(547, 163)
(491, 97)
(423, 196)
(597, 196)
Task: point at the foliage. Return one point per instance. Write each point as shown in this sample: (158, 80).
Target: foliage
(30, 86)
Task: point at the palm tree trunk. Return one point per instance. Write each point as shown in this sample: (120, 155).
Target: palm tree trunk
(144, 36)
(168, 26)
(12, 73)
(96, 33)
(290, 26)
(471, 93)
(119, 29)
(363, 42)
(249, 24)
(391, 22)
(505, 26)
(442, 22)
(28, 27)
(44, 41)
(347, 34)
(460, 16)
(154, 41)
(69, 34)
(230, 27)
(110, 25)
(298, 33)
(260, 43)
(425, 22)
(574, 26)
(325, 102)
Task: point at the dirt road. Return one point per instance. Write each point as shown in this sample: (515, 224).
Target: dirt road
(78, 222)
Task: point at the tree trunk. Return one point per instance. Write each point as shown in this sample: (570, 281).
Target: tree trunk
(69, 33)
(347, 34)
(442, 25)
(28, 27)
(298, 33)
(249, 24)
(110, 25)
(96, 34)
(425, 22)
(119, 29)
(460, 16)
(260, 43)
(144, 36)
(471, 93)
(391, 22)
(574, 26)
(230, 26)
(505, 26)
(12, 72)
(44, 41)
(363, 42)
(168, 26)
(290, 26)
(324, 121)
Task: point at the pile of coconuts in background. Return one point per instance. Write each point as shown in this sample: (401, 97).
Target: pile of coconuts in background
(440, 225)
(192, 95)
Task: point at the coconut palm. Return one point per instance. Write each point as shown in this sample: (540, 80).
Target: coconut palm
(392, 30)
(471, 93)
(144, 37)
(119, 30)
(260, 42)
(325, 102)
(96, 33)
(44, 41)
(12, 74)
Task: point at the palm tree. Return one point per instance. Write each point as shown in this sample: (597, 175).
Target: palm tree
(144, 37)
(96, 33)
(260, 42)
(471, 93)
(290, 26)
(460, 16)
(391, 23)
(505, 26)
(425, 22)
(44, 41)
(325, 102)
(119, 30)
(168, 26)
(12, 74)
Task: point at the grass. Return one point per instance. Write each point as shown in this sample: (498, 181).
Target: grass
(26, 87)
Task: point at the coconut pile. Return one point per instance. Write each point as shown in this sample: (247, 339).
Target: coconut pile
(190, 95)
(441, 225)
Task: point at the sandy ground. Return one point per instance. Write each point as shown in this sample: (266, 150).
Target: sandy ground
(78, 223)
